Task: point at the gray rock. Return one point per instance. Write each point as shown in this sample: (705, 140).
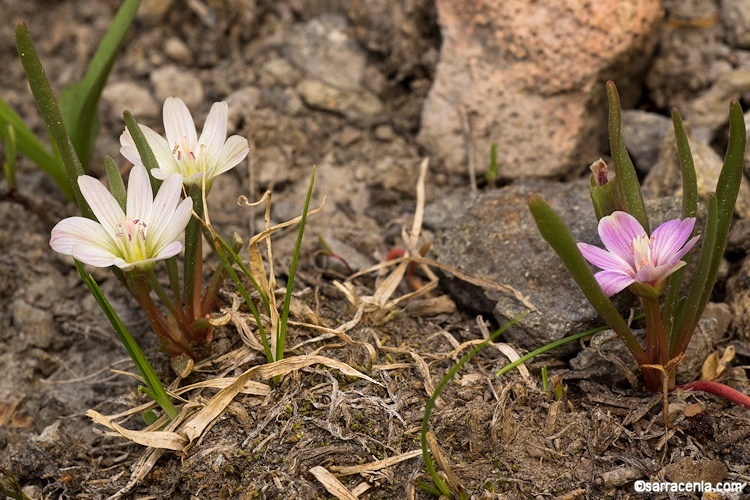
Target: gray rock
(172, 81)
(319, 95)
(606, 351)
(643, 133)
(539, 98)
(709, 113)
(493, 237)
(178, 51)
(242, 104)
(690, 58)
(279, 71)
(131, 96)
(153, 12)
(665, 178)
(324, 49)
(735, 14)
(738, 299)
(38, 327)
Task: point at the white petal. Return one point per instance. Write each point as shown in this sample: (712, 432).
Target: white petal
(94, 256)
(178, 123)
(73, 231)
(162, 150)
(140, 196)
(105, 207)
(214, 132)
(175, 226)
(234, 151)
(164, 207)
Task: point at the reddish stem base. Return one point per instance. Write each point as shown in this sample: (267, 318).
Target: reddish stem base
(722, 390)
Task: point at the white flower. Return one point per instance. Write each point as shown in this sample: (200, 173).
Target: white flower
(182, 151)
(136, 239)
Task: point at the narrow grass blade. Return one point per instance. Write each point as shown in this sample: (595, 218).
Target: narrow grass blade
(45, 100)
(281, 335)
(155, 388)
(553, 230)
(79, 103)
(9, 165)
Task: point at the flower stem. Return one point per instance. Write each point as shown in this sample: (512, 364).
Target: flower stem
(175, 341)
(718, 389)
(193, 270)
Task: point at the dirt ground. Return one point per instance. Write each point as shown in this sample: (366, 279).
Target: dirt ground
(505, 437)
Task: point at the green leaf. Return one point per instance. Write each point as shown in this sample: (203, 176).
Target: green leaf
(45, 100)
(31, 147)
(555, 232)
(689, 209)
(79, 102)
(144, 148)
(626, 179)
(157, 391)
(116, 185)
(720, 217)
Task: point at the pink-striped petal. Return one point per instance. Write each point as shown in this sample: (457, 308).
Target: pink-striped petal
(140, 197)
(613, 282)
(73, 231)
(232, 153)
(102, 203)
(669, 239)
(617, 232)
(214, 132)
(605, 260)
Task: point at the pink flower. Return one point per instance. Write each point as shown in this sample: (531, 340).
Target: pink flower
(633, 257)
(145, 232)
(185, 153)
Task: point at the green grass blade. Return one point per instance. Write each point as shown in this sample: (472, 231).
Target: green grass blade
(155, 387)
(553, 230)
(45, 100)
(79, 103)
(281, 336)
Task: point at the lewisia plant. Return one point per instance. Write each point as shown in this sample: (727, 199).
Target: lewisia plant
(650, 264)
(131, 230)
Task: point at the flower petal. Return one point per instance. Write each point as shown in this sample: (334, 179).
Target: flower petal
(668, 239)
(214, 133)
(178, 123)
(613, 282)
(74, 231)
(103, 204)
(161, 229)
(234, 151)
(94, 256)
(656, 274)
(175, 226)
(605, 260)
(140, 196)
(617, 232)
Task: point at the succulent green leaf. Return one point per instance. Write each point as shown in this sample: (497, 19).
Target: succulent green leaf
(45, 100)
(116, 185)
(144, 148)
(626, 179)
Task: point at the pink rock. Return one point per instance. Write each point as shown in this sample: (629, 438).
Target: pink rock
(530, 76)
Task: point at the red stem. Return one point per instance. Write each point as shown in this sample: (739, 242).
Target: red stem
(722, 390)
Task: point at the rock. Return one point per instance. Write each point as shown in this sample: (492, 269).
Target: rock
(38, 327)
(317, 94)
(178, 51)
(738, 300)
(499, 82)
(172, 81)
(738, 241)
(665, 179)
(279, 71)
(690, 470)
(709, 113)
(735, 14)
(723, 316)
(494, 237)
(153, 12)
(597, 361)
(130, 96)
(643, 133)
(324, 50)
(242, 104)
(692, 39)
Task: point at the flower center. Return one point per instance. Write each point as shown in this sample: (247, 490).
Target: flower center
(190, 160)
(641, 252)
(132, 233)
